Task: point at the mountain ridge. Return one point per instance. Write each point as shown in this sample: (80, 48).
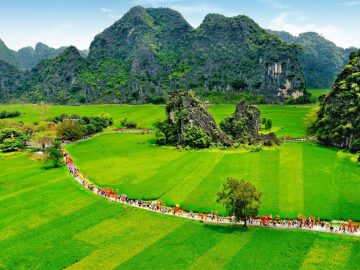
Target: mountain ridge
(150, 52)
(321, 59)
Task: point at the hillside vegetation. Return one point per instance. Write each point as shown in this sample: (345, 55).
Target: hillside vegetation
(320, 59)
(338, 118)
(149, 52)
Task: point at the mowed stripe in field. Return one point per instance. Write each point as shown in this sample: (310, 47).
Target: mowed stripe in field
(334, 255)
(291, 188)
(271, 249)
(177, 250)
(109, 235)
(187, 185)
(216, 258)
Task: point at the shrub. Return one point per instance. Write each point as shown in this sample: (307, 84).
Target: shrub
(268, 124)
(196, 138)
(11, 140)
(131, 124)
(128, 124)
(166, 132)
(355, 146)
(6, 114)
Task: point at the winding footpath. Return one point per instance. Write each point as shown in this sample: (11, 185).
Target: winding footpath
(154, 206)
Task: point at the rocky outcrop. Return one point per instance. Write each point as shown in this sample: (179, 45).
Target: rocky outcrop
(338, 121)
(185, 111)
(244, 124)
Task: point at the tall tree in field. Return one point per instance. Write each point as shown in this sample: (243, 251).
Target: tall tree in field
(240, 198)
(54, 153)
(70, 130)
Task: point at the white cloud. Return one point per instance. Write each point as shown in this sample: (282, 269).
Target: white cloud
(331, 32)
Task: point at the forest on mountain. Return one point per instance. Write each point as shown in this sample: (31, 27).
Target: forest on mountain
(320, 59)
(150, 52)
(338, 122)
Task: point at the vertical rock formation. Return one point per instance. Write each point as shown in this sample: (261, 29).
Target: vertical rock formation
(185, 111)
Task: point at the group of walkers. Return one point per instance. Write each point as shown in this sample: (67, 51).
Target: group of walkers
(301, 222)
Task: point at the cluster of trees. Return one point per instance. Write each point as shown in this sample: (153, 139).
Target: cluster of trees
(304, 99)
(75, 127)
(48, 134)
(125, 123)
(6, 114)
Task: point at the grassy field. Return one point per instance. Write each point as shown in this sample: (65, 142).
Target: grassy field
(287, 120)
(50, 222)
(294, 178)
(316, 93)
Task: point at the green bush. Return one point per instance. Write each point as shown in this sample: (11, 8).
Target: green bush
(268, 124)
(355, 146)
(196, 138)
(6, 114)
(11, 140)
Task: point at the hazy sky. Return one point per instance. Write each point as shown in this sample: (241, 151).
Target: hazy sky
(76, 22)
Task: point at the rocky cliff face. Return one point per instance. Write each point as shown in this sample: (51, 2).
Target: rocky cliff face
(185, 111)
(153, 51)
(338, 121)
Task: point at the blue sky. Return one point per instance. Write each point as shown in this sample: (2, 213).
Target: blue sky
(75, 22)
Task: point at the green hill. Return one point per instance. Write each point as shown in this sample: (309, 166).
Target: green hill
(338, 121)
(321, 60)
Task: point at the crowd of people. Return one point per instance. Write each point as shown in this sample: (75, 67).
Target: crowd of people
(301, 222)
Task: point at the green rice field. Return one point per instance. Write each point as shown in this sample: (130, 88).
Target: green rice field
(287, 120)
(48, 221)
(294, 178)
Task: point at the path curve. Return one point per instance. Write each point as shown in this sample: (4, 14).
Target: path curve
(146, 205)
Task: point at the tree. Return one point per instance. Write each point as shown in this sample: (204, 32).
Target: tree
(55, 154)
(44, 137)
(11, 139)
(240, 198)
(268, 124)
(70, 130)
